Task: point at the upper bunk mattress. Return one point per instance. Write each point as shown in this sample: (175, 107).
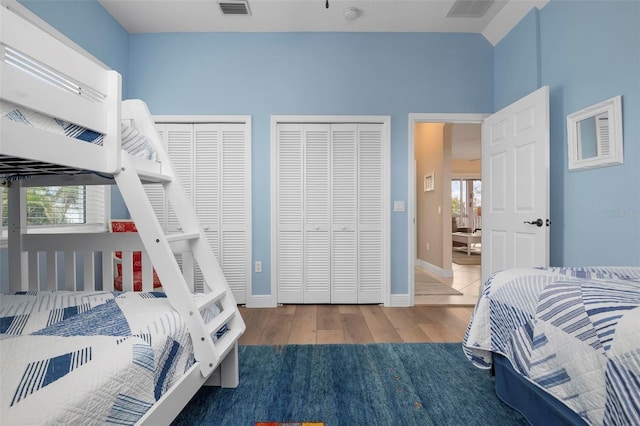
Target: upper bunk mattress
(88, 357)
(132, 140)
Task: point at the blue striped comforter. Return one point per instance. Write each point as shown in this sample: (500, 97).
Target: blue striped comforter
(88, 357)
(574, 332)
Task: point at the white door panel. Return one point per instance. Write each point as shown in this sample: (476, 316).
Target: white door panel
(330, 224)
(371, 255)
(289, 260)
(344, 248)
(515, 169)
(290, 267)
(212, 161)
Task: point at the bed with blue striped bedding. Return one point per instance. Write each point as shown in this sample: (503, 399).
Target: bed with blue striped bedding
(132, 141)
(88, 357)
(573, 332)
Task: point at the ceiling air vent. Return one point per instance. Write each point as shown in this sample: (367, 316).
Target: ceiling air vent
(234, 7)
(469, 8)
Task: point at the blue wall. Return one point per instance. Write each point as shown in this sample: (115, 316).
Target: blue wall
(516, 62)
(89, 25)
(96, 31)
(264, 74)
(588, 51)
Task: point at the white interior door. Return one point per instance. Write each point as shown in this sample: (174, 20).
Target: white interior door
(515, 176)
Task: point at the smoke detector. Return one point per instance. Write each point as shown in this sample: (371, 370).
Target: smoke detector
(351, 13)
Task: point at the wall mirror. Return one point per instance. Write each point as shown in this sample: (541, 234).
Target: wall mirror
(594, 135)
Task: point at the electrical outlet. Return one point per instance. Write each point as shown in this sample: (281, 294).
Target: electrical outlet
(258, 266)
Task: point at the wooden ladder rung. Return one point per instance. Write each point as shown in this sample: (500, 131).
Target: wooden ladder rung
(221, 319)
(211, 297)
(227, 340)
(172, 238)
(152, 177)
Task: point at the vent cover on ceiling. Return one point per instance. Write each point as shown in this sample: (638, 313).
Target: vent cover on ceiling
(469, 8)
(234, 7)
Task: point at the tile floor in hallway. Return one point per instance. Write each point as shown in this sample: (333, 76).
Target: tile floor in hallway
(466, 279)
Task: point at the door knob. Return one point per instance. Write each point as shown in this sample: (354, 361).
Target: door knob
(538, 222)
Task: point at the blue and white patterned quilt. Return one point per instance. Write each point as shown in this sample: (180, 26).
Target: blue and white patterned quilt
(574, 332)
(87, 357)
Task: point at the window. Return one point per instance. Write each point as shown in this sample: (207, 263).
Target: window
(466, 202)
(56, 206)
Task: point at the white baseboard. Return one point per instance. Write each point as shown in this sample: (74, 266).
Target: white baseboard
(445, 273)
(261, 301)
(399, 300)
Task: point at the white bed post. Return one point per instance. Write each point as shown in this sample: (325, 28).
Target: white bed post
(17, 226)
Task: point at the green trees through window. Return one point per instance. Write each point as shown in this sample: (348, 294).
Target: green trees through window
(52, 205)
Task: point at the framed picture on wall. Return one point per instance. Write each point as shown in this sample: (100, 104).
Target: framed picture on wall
(429, 182)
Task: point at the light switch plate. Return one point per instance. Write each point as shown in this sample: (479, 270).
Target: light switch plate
(398, 206)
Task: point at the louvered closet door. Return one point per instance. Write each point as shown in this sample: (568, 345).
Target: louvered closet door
(212, 161)
(330, 220)
(179, 138)
(235, 209)
(371, 244)
(317, 259)
(344, 246)
(154, 191)
(289, 210)
(207, 185)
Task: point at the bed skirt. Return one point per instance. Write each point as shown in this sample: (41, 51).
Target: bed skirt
(537, 406)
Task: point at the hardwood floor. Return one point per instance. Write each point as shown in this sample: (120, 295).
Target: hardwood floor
(466, 279)
(325, 324)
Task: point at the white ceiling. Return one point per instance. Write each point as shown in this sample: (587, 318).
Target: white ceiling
(466, 141)
(155, 16)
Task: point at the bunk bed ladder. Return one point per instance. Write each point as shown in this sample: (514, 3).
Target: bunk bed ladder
(209, 349)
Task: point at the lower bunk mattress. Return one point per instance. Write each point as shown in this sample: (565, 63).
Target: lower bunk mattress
(572, 332)
(88, 357)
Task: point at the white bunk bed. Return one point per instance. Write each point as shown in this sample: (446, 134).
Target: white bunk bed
(41, 75)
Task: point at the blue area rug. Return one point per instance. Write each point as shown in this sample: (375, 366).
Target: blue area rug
(376, 384)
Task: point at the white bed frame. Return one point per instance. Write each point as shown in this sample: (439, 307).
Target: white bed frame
(59, 81)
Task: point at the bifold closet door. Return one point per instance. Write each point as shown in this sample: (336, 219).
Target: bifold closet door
(289, 256)
(317, 179)
(212, 160)
(235, 208)
(372, 247)
(303, 250)
(330, 244)
(344, 202)
(154, 191)
(206, 182)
